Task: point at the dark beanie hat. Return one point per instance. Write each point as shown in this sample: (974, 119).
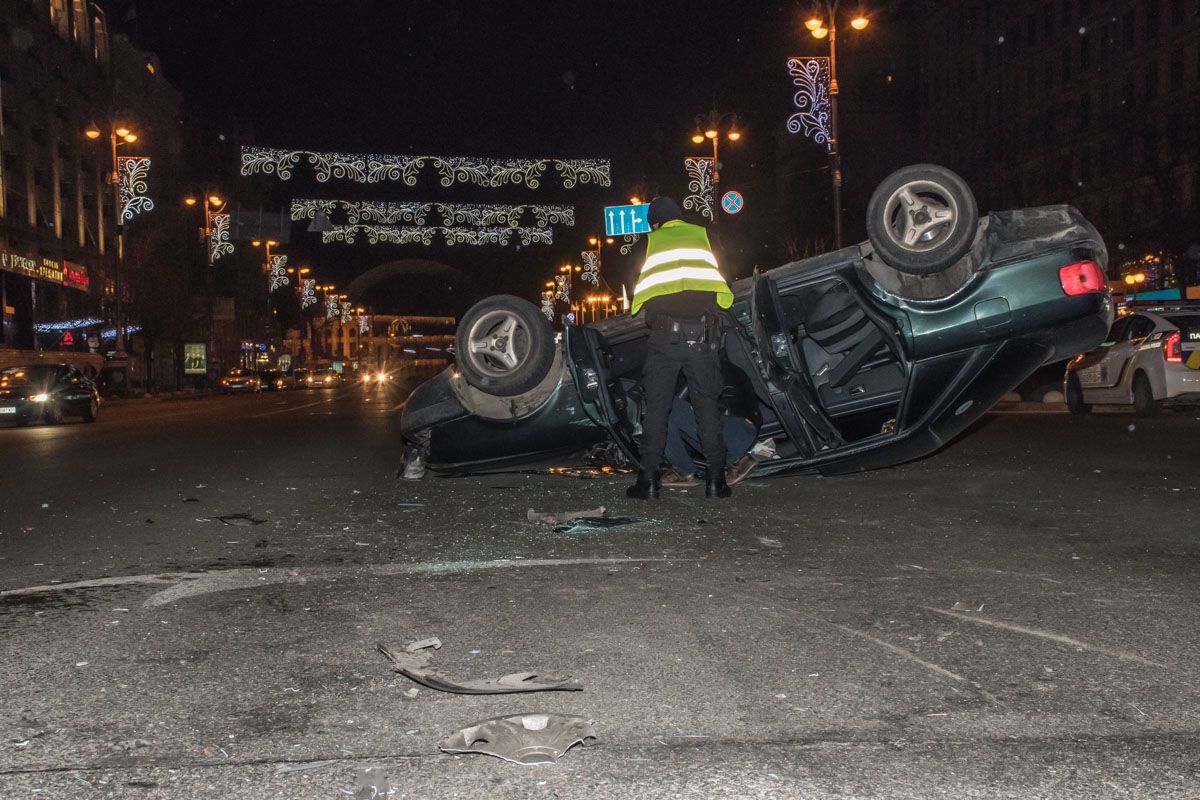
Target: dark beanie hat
(663, 209)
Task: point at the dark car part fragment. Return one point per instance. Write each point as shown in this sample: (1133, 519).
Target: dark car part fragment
(415, 666)
(523, 738)
(922, 219)
(504, 346)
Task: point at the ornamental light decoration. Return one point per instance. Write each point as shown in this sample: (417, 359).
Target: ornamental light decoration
(347, 313)
(132, 172)
(700, 173)
(562, 290)
(308, 295)
(591, 267)
(331, 306)
(628, 242)
(548, 304)
(364, 324)
(218, 242)
(378, 168)
(279, 276)
(810, 75)
(393, 234)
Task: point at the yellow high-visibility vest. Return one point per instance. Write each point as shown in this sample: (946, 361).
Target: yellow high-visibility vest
(679, 259)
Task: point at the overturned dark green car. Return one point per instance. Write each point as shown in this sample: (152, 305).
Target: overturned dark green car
(861, 358)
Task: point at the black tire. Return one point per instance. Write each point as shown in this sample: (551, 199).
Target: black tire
(1144, 403)
(504, 346)
(1074, 394)
(91, 412)
(907, 205)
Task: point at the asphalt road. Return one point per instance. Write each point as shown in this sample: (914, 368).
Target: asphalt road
(1013, 617)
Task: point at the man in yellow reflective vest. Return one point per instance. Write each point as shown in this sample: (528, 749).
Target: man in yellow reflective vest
(679, 292)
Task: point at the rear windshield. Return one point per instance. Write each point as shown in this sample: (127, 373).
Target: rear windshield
(1188, 323)
(35, 372)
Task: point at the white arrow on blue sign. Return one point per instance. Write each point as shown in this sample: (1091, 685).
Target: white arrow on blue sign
(622, 220)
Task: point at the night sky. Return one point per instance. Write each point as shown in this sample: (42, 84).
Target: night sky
(616, 80)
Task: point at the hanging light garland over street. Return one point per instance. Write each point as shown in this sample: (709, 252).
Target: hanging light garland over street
(378, 168)
(452, 214)
(591, 267)
(391, 234)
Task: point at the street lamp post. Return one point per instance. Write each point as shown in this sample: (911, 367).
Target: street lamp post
(118, 135)
(710, 126)
(213, 204)
(820, 29)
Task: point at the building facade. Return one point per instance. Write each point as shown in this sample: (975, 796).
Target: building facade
(1095, 103)
(61, 74)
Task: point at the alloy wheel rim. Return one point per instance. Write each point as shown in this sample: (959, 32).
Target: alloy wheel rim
(920, 215)
(498, 343)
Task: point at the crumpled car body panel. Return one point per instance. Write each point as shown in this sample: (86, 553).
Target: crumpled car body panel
(522, 738)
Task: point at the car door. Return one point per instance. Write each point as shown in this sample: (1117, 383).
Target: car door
(786, 382)
(74, 390)
(1101, 369)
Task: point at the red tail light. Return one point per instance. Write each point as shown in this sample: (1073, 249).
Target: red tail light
(1173, 348)
(1082, 277)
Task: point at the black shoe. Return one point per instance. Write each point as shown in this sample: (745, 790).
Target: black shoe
(715, 485)
(648, 486)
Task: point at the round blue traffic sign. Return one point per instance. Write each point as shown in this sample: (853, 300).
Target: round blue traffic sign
(732, 202)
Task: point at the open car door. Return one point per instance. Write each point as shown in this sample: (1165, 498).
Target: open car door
(780, 365)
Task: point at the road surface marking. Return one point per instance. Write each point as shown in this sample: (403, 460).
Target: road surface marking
(1051, 636)
(934, 668)
(297, 408)
(192, 584)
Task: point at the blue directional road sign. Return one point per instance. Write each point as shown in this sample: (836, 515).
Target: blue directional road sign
(732, 202)
(620, 220)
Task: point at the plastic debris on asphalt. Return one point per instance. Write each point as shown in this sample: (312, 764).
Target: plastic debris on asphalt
(523, 738)
(424, 644)
(588, 524)
(556, 518)
(415, 666)
(233, 519)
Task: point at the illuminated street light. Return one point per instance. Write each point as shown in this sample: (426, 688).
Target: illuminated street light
(118, 136)
(189, 201)
(713, 124)
(822, 28)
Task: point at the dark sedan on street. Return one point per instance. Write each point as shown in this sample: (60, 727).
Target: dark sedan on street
(241, 380)
(276, 380)
(47, 393)
(861, 358)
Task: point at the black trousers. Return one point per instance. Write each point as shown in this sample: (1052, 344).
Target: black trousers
(701, 367)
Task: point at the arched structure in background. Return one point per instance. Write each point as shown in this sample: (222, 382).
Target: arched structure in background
(405, 268)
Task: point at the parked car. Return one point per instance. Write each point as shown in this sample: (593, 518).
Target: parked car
(241, 380)
(1149, 358)
(274, 380)
(859, 358)
(47, 392)
(323, 378)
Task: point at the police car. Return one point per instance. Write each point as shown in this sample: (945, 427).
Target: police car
(1150, 357)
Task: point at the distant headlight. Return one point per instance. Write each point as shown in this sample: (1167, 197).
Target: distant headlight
(366, 378)
(279, 383)
(382, 377)
(40, 398)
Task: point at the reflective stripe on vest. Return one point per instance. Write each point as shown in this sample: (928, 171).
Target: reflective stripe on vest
(679, 259)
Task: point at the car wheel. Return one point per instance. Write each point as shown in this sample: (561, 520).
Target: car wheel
(504, 346)
(922, 219)
(52, 414)
(1143, 397)
(91, 412)
(1074, 395)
